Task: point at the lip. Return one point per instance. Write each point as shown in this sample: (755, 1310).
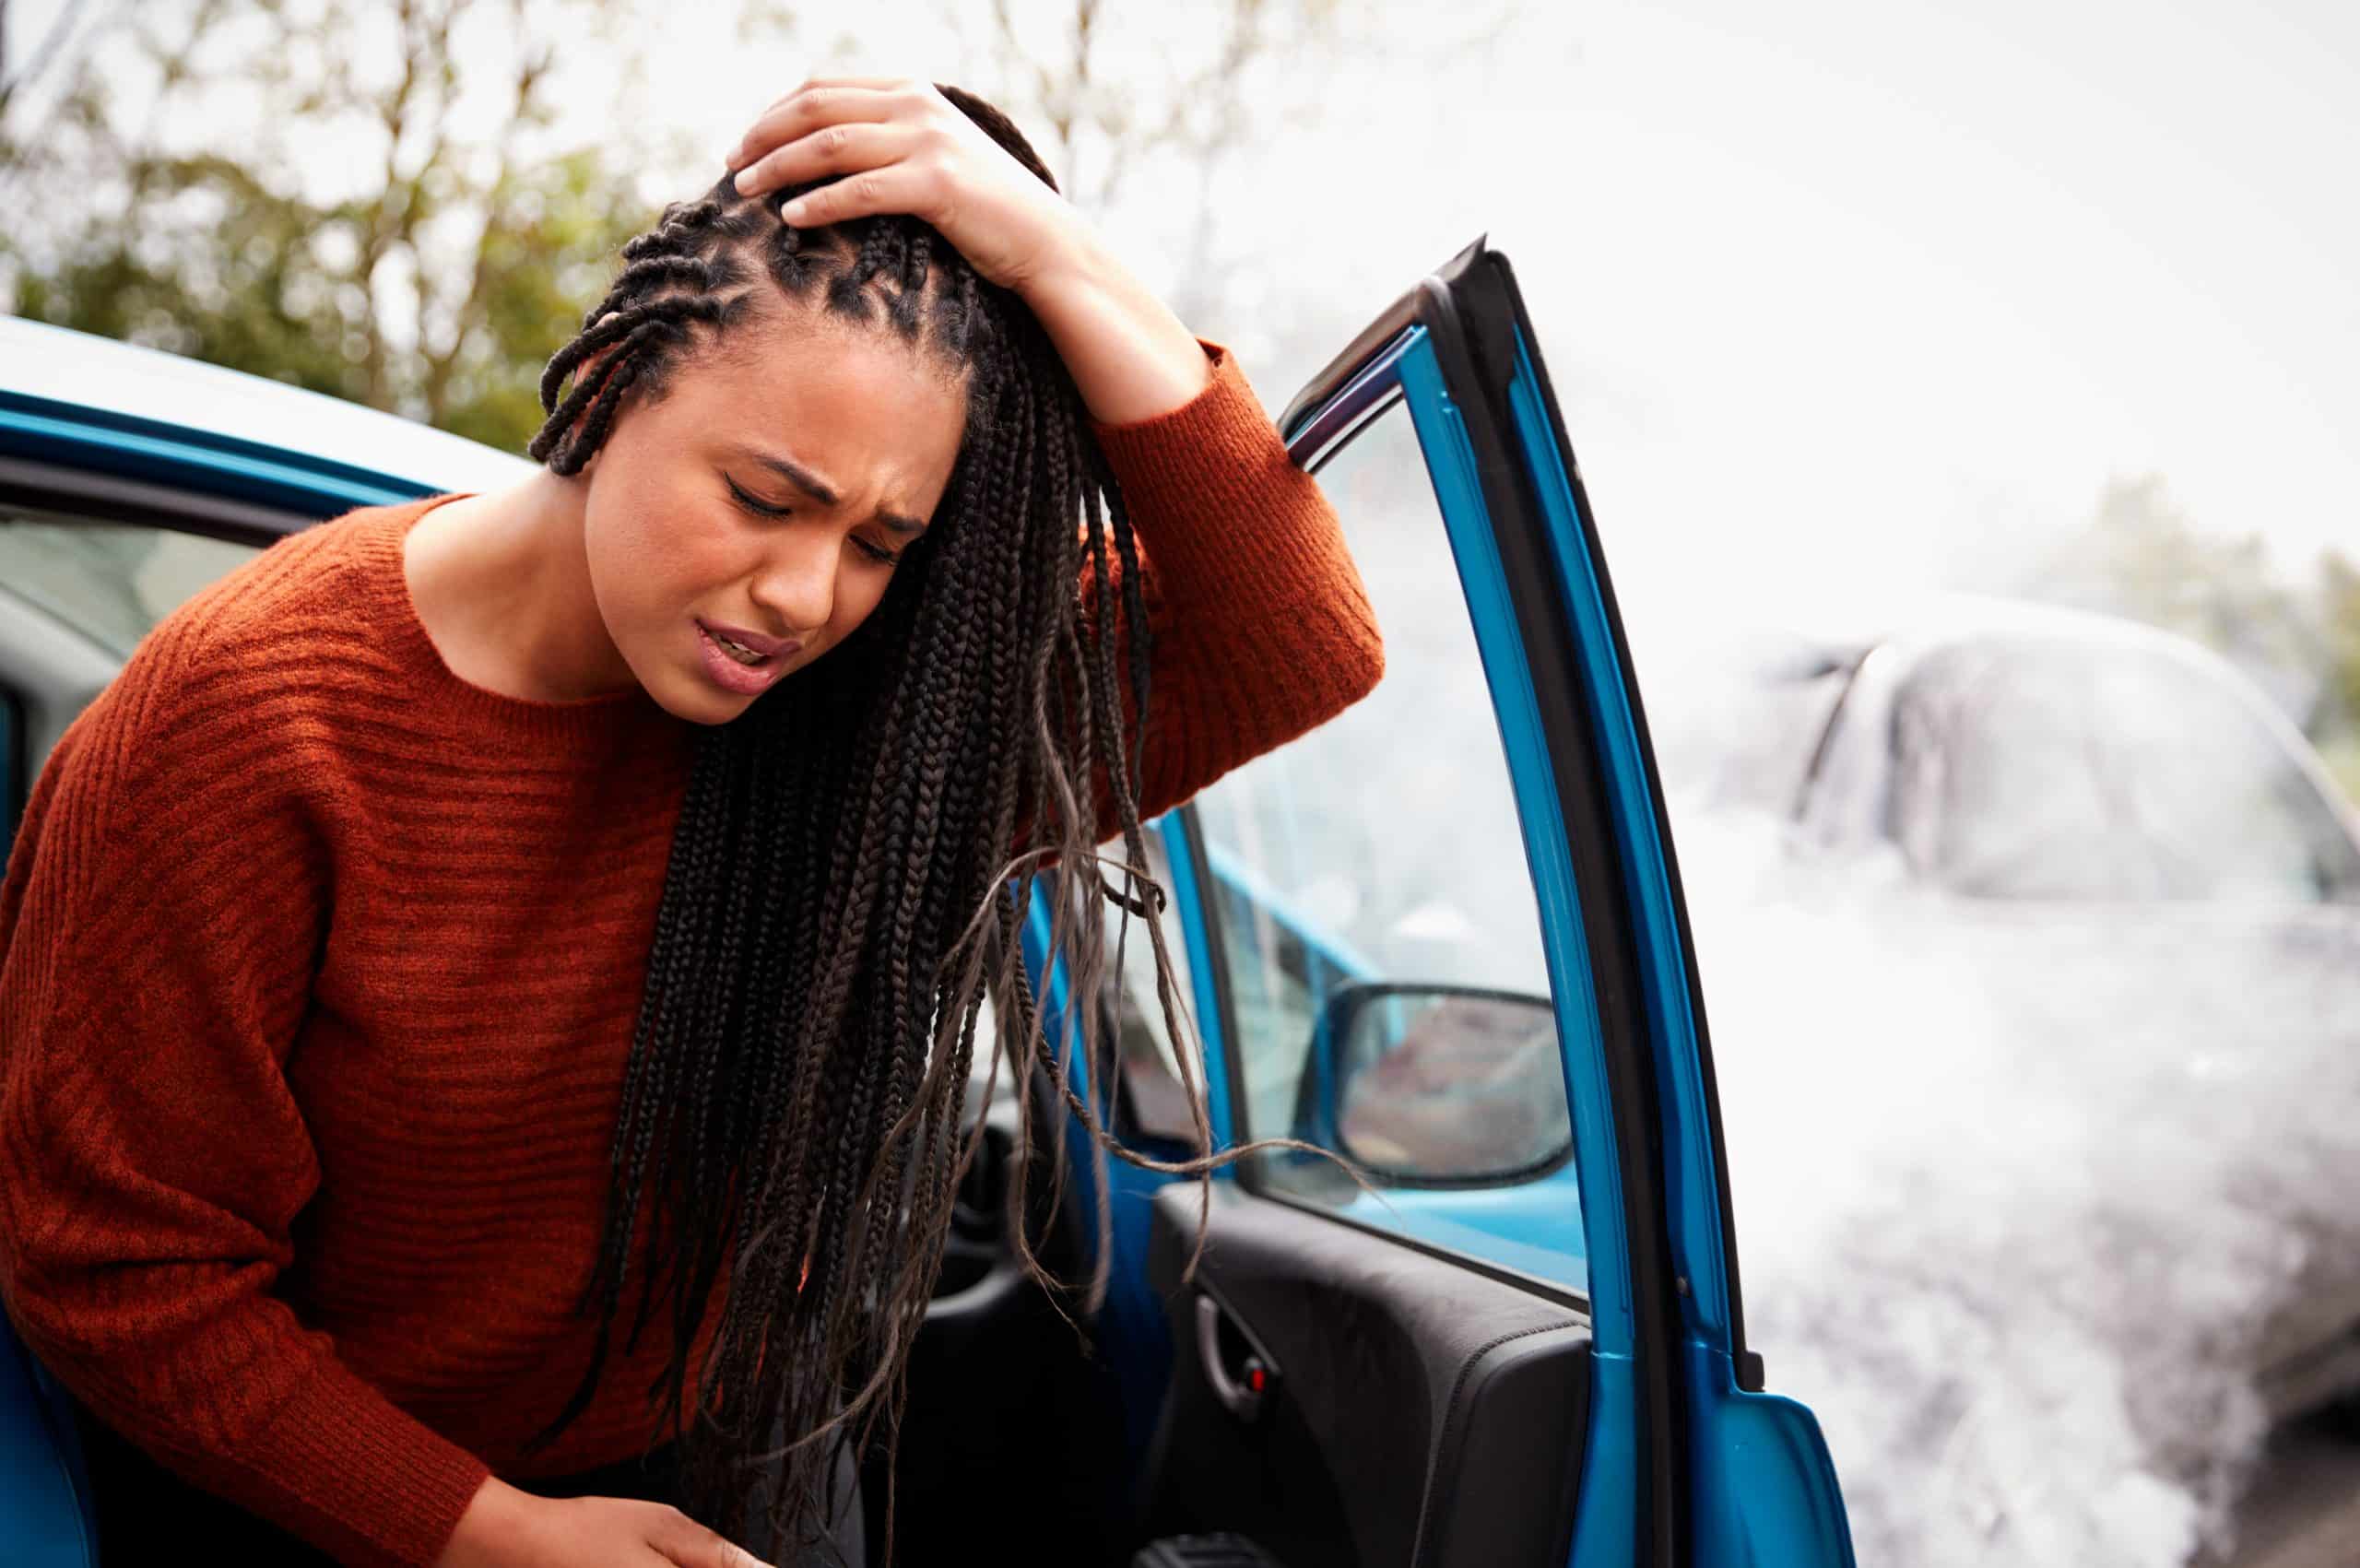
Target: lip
(743, 681)
(766, 646)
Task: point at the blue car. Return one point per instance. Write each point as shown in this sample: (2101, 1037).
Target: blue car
(1491, 1315)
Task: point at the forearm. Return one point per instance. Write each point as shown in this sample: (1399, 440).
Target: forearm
(1130, 357)
(1260, 626)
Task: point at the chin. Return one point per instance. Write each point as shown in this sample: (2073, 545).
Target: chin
(695, 701)
(711, 709)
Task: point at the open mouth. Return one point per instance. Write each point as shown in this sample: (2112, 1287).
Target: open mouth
(746, 668)
(737, 651)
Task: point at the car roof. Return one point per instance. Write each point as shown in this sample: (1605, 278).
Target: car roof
(1841, 628)
(80, 369)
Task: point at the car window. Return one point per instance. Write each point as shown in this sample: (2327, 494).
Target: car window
(2032, 768)
(1375, 919)
(112, 581)
(1154, 1103)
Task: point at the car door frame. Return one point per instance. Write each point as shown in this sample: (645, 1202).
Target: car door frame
(1687, 1459)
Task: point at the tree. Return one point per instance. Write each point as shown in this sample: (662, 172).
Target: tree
(2334, 723)
(450, 251)
(2142, 557)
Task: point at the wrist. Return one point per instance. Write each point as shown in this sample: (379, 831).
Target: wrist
(488, 1529)
(1131, 359)
(1077, 264)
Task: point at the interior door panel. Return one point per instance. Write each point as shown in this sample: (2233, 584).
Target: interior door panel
(1419, 1414)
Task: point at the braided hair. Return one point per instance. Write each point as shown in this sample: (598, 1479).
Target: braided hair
(853, 861)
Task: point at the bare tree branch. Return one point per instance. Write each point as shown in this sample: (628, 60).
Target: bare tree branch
(53, 43)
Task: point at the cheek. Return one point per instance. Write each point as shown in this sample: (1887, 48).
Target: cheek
(858, 593)
(653, 556)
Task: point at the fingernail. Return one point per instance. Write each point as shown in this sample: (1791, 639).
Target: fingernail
(793, 211)
(743, 174)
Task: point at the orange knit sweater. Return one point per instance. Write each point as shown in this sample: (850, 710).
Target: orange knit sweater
(318, 971)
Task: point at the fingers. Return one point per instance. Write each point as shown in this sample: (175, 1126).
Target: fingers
(691, 1545)
(897, 187)
(815, 104)
(845, 147)
(838, 82)
(885, 82)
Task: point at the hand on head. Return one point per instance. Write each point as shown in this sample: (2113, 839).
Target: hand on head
(895, 146)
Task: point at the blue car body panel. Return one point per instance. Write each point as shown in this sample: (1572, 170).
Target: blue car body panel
(91, 403)
(1763, 1488)
(48, 1519)
(1606, 1521)
(1131, 1330)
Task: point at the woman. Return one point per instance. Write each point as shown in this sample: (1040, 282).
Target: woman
(460, 879)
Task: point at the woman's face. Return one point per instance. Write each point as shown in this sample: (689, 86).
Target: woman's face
(762, 501)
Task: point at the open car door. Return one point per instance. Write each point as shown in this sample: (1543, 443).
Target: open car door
(1443, 936)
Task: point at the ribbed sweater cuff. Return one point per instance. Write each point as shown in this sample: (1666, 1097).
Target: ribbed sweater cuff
(357, 1475)
(1241, 525)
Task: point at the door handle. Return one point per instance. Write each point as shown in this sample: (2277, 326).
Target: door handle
(1243, 1391)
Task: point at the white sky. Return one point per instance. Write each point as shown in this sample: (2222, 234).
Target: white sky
(1852, 292)
(1901, 284)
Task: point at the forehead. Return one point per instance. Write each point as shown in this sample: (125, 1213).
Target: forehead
(801, 366)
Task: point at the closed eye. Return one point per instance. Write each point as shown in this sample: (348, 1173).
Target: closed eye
(752, 503)
(762, 508)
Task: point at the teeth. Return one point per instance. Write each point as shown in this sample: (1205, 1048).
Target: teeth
(737, 651)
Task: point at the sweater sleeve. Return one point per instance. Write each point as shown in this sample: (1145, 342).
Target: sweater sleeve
(158, 932)
(1259, 628)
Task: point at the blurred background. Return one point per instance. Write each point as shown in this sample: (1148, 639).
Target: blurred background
(1966, 395)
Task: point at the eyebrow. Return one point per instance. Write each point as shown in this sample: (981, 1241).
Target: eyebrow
(818, 490)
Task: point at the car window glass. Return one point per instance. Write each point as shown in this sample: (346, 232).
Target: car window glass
(112, 581)
(2028, 768)
(1377, 922)
(1154, 1101)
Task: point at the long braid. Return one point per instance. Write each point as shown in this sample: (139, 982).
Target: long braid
(851, 865)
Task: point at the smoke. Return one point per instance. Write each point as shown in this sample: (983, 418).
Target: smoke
(2025, 1197)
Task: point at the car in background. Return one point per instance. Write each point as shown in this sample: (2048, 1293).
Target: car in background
(2023, 752)
(2079, 794)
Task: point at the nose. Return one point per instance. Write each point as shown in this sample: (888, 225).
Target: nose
(796, 583)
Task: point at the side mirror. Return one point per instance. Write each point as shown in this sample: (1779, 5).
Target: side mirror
(1441, 1085)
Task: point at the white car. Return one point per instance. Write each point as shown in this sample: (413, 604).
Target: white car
(2073, 912)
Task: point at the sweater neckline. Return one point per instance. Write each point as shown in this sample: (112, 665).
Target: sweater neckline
(526, 718)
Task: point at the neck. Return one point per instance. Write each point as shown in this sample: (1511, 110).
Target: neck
(503, 585)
